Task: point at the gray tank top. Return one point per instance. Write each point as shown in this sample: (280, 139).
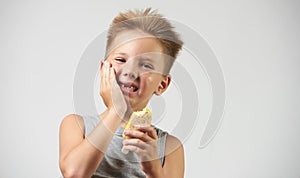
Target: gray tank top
(117, 164)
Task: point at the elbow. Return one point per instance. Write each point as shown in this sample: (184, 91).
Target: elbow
(71, 172)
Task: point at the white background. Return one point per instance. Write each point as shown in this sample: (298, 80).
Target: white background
(257, 45)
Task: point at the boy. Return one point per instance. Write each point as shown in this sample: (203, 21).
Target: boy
(140, 50)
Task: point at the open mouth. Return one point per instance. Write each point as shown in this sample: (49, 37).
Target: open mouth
(128, 87)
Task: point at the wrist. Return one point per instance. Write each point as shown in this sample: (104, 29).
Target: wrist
(117, 111)
(114, 114)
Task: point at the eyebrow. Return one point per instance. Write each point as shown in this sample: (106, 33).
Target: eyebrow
(142, 57)
(123, 54)
(145, 58)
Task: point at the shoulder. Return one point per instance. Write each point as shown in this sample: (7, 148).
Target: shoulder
(72, 122)
(85, 123)
(71, 119)
(173, 144)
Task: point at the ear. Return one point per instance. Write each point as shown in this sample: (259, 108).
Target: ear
(164, 84)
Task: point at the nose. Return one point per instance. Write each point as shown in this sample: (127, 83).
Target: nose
(130, 74)
(130, 70)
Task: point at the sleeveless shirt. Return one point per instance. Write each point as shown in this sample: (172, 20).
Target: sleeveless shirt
(116, 164)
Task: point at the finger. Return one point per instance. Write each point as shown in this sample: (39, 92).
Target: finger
(135, 142)
(112, 74)
(101, 69)
(118, 99)
(131, 148)
(101, 64)
(138, 134)
(147, 129)
(106, 71)
(102, 78)
(103, 73)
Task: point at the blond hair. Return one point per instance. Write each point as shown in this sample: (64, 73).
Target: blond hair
(149, 22)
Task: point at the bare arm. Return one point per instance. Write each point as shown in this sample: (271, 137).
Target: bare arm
(174, 159)
(77, 156)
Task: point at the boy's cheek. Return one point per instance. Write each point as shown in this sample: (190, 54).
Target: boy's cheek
(150, 79)
(116, 68)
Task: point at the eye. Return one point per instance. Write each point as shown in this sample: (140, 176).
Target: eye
(119, 59)
(147, 66)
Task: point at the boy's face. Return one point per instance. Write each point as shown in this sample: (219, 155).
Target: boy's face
(139, 66)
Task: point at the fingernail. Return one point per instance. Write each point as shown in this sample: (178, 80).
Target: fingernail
(126, 132)
(137, 126)
(124, 151)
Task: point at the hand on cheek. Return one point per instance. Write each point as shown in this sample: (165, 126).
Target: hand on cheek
(110, 91)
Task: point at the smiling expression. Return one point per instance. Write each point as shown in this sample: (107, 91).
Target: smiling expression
(139, 66)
